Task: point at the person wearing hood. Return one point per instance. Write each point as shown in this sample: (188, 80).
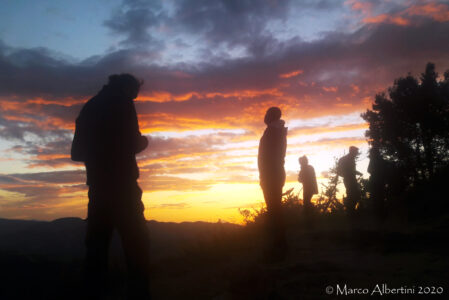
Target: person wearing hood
(272, 149)
(107, 139)
(309, 184)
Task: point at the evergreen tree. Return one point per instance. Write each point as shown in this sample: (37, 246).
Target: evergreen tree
(409, 125)
(408, 129)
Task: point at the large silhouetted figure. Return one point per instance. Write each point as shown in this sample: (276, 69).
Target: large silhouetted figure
(347, 169)
(272, 148)
(307, 177)
(107, 138)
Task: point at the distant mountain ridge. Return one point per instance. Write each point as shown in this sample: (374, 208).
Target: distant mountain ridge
(64, 238)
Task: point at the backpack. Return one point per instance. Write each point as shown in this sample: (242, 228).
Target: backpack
(341, 166)
(78, 151)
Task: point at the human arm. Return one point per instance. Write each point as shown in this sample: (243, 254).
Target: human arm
(79, 147)
(301, 176)
(142, 143)
(314, 182)
(137, 141)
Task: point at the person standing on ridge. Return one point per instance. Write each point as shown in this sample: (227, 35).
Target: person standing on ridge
(107, 139)
(309, 185)
(272, 149)
(346, 168)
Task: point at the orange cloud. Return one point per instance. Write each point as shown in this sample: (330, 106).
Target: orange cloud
(334, 143)
(291, 74)
(236, 114)
(364, 7)
(317, 130)
(385, 18)
(162, 96)
(247, 93)
(150, 123)
(52, 156)
(438, 12)
(355, 88)
(49, 123)
(68, 101)
(344, 104)
(20, 119)
(332, 89)
(181, 74)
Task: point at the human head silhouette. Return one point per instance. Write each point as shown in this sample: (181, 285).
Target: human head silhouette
(353, 151)
(126, 84)
(273, 114)
(303, 161)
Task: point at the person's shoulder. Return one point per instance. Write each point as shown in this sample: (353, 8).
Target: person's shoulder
(87, 106)
(344, 158)
(94, 101)
(274, 131)
(266, 132)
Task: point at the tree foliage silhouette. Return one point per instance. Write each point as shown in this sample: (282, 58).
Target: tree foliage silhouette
(409, 124)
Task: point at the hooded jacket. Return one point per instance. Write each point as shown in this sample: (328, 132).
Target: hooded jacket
(107, 138)
(272, 149)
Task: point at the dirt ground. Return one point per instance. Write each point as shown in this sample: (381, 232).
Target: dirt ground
(328, 259)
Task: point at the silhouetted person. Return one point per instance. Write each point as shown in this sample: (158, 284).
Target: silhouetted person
(307, 177)
(272, 148)
(347, 169)
(107, 138)
(379, 173)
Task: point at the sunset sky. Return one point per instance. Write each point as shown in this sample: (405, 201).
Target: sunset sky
(211, 70)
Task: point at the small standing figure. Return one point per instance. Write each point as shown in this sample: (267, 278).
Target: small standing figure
(347, 170)
(307, 177)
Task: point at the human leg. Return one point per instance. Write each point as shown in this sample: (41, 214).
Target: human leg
(98, 236)
(133, 230)
(275, 222)
(352, 195)
(307, 197)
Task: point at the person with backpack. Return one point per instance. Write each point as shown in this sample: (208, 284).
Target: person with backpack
(107, 139)
(307, 177)
(346, 168)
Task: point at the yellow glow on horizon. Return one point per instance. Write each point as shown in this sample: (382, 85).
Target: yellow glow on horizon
(221, 201)
(203, 174)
